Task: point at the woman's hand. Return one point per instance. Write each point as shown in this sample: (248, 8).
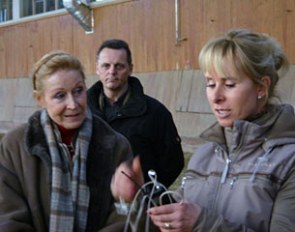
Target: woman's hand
(127, 180)
(176, 217)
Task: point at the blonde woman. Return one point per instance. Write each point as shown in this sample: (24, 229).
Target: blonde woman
(243, 177)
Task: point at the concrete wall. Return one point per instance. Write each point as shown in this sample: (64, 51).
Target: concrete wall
(183, 92)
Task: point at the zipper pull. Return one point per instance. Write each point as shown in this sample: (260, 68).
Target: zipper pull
(225, 171)
(233, 182)
(183, 182)
(182, 186)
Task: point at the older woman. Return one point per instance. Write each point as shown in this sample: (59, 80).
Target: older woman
(243, 177)
(55, 170)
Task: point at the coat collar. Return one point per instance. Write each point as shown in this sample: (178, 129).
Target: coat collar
(277, 128)
(135, 105)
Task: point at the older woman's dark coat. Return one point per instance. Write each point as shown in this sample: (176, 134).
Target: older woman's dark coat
(25, 170)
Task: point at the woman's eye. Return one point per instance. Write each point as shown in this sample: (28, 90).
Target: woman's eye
(230, 85)
(59, 95)
(78, 90)
(210, 84)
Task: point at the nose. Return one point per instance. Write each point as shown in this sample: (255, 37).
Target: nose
(113, 69)
(216, 94)
(71, 102)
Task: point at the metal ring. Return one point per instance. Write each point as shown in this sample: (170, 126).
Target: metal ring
(167, 225)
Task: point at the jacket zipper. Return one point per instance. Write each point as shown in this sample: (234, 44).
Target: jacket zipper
(225, 170)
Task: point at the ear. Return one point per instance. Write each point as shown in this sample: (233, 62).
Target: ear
(263, 89)
(131, 69)
(38, 98)
(97, 69)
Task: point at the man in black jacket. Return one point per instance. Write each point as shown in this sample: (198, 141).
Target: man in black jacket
(119, 99)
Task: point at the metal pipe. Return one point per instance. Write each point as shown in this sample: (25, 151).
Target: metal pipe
(177, 24)
(81, 12)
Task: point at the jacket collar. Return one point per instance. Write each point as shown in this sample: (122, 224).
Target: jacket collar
(273, 131)
(35, 139)
(135, 105)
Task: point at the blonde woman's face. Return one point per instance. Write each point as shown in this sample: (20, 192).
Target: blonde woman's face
(64, 97)
(232, 96)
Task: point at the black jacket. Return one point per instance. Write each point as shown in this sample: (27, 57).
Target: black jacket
(150, 129)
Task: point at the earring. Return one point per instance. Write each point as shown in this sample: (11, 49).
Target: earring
(259, 97)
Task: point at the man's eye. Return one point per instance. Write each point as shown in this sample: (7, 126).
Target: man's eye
(105, 66)
(120, 66)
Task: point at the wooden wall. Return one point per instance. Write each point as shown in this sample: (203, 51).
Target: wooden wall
(149, 27)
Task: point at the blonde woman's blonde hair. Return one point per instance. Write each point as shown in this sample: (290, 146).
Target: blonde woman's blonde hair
(53, 62)
(255, 54)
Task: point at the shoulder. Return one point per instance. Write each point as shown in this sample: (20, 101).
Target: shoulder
(112, 142)
(202, 155)
(100, 126)
(155, 105)
(94, 88)
(103, 130)
(12, 146)
(15, 135)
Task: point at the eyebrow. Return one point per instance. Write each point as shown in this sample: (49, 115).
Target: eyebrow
(224, 78)
(119, 63)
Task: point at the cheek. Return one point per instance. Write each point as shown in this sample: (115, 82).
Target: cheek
(101, 74)
(83, 101)
(124, 74)
(247, 105)
(54, 111)
(209, 96)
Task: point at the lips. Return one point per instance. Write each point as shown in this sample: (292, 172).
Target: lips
(222, 113)
(112, 79)
(72, 115)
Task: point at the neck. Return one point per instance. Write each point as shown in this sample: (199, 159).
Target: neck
(67, 135)
(114, 95)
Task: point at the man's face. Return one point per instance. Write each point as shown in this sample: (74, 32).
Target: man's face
(113, 70)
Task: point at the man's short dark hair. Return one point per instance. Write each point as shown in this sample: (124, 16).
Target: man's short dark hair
(116, 44)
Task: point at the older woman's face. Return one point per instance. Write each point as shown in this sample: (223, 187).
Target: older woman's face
(64, 97)
(232, 97)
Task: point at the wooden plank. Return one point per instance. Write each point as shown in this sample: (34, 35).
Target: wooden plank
(149, 28)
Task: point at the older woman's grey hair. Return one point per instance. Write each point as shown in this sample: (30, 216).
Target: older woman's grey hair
(53, 62)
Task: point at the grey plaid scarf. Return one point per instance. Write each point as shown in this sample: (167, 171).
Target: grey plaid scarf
(69, 190)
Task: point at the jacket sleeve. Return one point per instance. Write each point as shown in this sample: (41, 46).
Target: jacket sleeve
(212, 223)
(14, 213)
(123, 150)
(169, 153)
(282, 219)
(283, 215)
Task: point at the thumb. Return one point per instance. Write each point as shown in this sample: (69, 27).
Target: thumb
(136, 168)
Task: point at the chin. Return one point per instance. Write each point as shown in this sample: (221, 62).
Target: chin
(225, 124)
(73, 125)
